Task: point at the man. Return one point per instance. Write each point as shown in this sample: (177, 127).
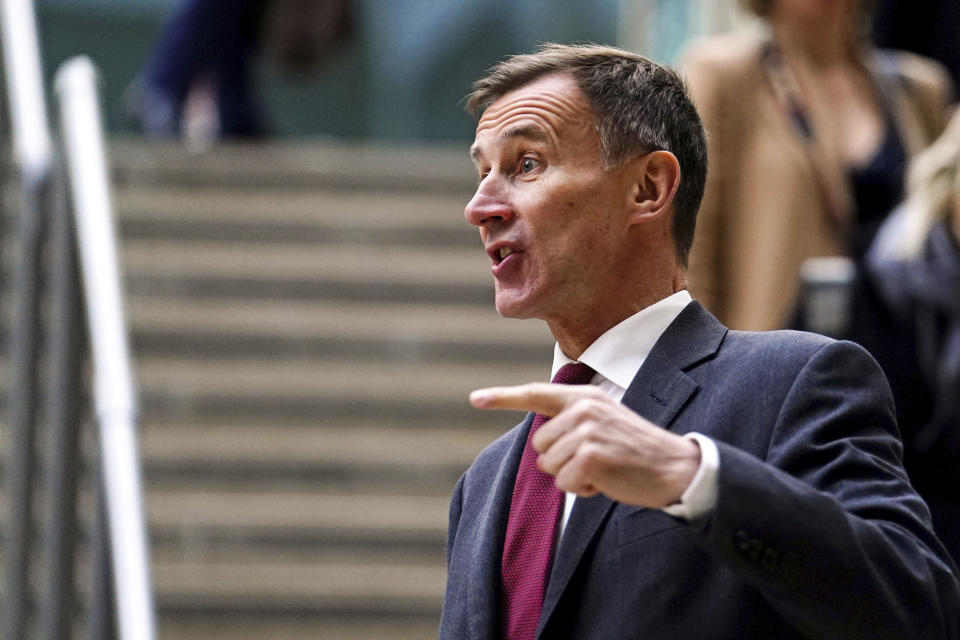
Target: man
(787, 514)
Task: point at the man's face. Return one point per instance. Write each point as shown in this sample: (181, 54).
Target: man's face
(552, 219)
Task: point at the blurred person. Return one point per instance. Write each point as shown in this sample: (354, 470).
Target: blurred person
(906, 311)
(810, 129)
(205, 54)
(681, 480)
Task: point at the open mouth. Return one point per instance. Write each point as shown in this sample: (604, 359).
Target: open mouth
(498, 254)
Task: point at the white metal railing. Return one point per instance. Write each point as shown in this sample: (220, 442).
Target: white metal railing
(28, 108)
(114, 396)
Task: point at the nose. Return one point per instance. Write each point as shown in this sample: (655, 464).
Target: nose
(487, 206)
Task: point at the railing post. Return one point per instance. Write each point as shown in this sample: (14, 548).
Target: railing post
(101, 618)
(64, 410)
(32, 147)
(114, 396)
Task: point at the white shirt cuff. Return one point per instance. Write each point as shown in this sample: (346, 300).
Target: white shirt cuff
(700, 497)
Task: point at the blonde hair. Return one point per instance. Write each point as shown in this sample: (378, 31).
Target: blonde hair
(933, 181)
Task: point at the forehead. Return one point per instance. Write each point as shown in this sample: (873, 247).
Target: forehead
(552, 108)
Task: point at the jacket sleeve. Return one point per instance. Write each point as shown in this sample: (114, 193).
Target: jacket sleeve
(456, 507)
(827, 527)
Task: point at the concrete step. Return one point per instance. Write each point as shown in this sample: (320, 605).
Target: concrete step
(427, 460)
(347, 456)
(338, 595)
(273, 271)
(295, 164)
(282, 262)
(300, 581)
(322, 390)
(254, 626)
(203, 519)
(186, 390)
(317, 216)
(299, 517)
(232, 328)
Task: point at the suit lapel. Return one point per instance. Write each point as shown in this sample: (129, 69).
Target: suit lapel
(659, 392)
(585, 520)
(662, 387)
(483, 591)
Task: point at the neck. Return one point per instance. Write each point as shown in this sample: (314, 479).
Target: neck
(819, 43)
(577, 332)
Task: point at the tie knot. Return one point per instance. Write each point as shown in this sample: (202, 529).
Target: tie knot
(574, 373)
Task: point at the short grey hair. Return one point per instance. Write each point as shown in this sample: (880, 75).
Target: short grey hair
(640, 106)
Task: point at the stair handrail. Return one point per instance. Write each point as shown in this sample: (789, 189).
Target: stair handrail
(33, 156)
(28, 106)
(114, 395)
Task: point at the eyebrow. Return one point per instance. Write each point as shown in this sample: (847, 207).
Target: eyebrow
(528, 131)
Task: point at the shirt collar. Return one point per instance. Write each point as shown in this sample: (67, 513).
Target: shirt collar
(618, 353)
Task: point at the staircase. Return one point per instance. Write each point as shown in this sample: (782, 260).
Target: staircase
(307, 321)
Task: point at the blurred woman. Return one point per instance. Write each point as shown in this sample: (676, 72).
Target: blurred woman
(906, 311)
(810, 130)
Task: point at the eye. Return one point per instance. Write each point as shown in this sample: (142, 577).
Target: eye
(528, 164)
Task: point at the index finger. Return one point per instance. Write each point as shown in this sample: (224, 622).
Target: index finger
(540, 397)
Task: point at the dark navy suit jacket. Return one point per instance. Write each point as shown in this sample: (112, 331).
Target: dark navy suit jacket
(816, 532)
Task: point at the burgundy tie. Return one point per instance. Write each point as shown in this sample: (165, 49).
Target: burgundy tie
(531, 530)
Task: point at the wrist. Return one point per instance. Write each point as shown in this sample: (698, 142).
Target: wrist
(684, 469)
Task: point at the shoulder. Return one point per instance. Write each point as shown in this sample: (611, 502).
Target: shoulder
(776, 344)
(778, 358)
(723, 69)
(919, 72)
(747, 359)
(730, 54)
(795, 375)
(924, 83)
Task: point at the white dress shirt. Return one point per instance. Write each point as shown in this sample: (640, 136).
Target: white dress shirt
(616, 356)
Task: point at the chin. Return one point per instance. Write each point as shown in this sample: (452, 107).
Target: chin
(510, 307)
(508, 311)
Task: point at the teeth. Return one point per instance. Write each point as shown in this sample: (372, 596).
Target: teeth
(504, 252)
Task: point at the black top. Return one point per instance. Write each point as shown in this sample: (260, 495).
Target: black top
(876, 187)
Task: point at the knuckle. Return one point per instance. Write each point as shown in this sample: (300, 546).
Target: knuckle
(591, 455)
(573, 477)
(588, 408)
(580, 410)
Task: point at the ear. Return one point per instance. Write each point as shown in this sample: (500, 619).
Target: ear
(656, 177)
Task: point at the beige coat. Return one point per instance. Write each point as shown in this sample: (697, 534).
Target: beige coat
(763, 213)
